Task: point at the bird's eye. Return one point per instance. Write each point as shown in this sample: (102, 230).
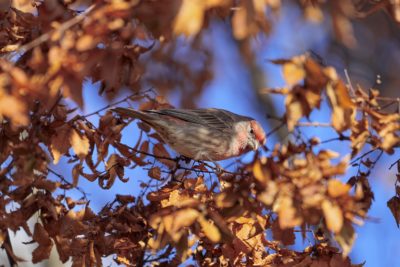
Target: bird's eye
(251, 131)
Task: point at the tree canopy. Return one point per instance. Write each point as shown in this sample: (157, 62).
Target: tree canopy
(142, 53)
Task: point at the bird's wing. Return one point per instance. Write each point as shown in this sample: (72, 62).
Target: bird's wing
(220, 119)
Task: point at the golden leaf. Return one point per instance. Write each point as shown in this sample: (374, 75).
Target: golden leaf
(175, 222)
(336, 188)
(313, 14)
(190, 17)
(296, 108)
(261, 173)
(80, 144)
(209, 229)
(287, 213)
(342, 106)
(239, 23)
(333, 216)
(293, 73)
(85, 42)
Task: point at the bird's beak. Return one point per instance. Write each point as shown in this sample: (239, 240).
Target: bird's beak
(254, 144)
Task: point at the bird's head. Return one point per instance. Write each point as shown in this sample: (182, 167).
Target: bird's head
(255, 135)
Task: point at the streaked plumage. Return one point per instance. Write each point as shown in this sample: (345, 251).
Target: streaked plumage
(202, 134)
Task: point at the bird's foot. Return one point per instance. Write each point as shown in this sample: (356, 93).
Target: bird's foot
(218, 169)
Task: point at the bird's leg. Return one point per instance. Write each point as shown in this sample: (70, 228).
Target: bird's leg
(186, 159)
(218, 167)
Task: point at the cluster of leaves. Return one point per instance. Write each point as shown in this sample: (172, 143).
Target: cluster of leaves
(216, 218)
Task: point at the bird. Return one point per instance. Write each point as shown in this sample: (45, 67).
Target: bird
(208, 134)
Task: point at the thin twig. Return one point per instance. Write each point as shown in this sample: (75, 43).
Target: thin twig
(275, 129)
(313, 124)
(63, 27)
(340, 138)
(363, 155)
(62, 178)
(394, 163)
(117, 102)
(278, 91)
(349, 82)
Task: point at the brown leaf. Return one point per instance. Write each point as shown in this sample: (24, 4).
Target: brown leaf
(338, 261)
(76, 170)
(286, 236)
(41, 236)
(60, 144)
(343, 107)
(17, 114)
(155, 173)
(296, 106)
(46, 185)
(162, 154)
(144, 147)
(394, 206)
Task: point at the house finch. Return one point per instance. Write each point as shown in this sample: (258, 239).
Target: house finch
(202, 134)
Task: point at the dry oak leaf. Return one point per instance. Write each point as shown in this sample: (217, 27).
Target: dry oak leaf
(297, 106)
(394, 206)
(190, 17)
(333, 216)
(41, 236)
(336, 188)
(17, 112)
(209, 229)
(343, 113)
(60, 142)
(178, 199)
(287, 213)
(155, 173)
(174, 223)
(80, 144)
(293, 71)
